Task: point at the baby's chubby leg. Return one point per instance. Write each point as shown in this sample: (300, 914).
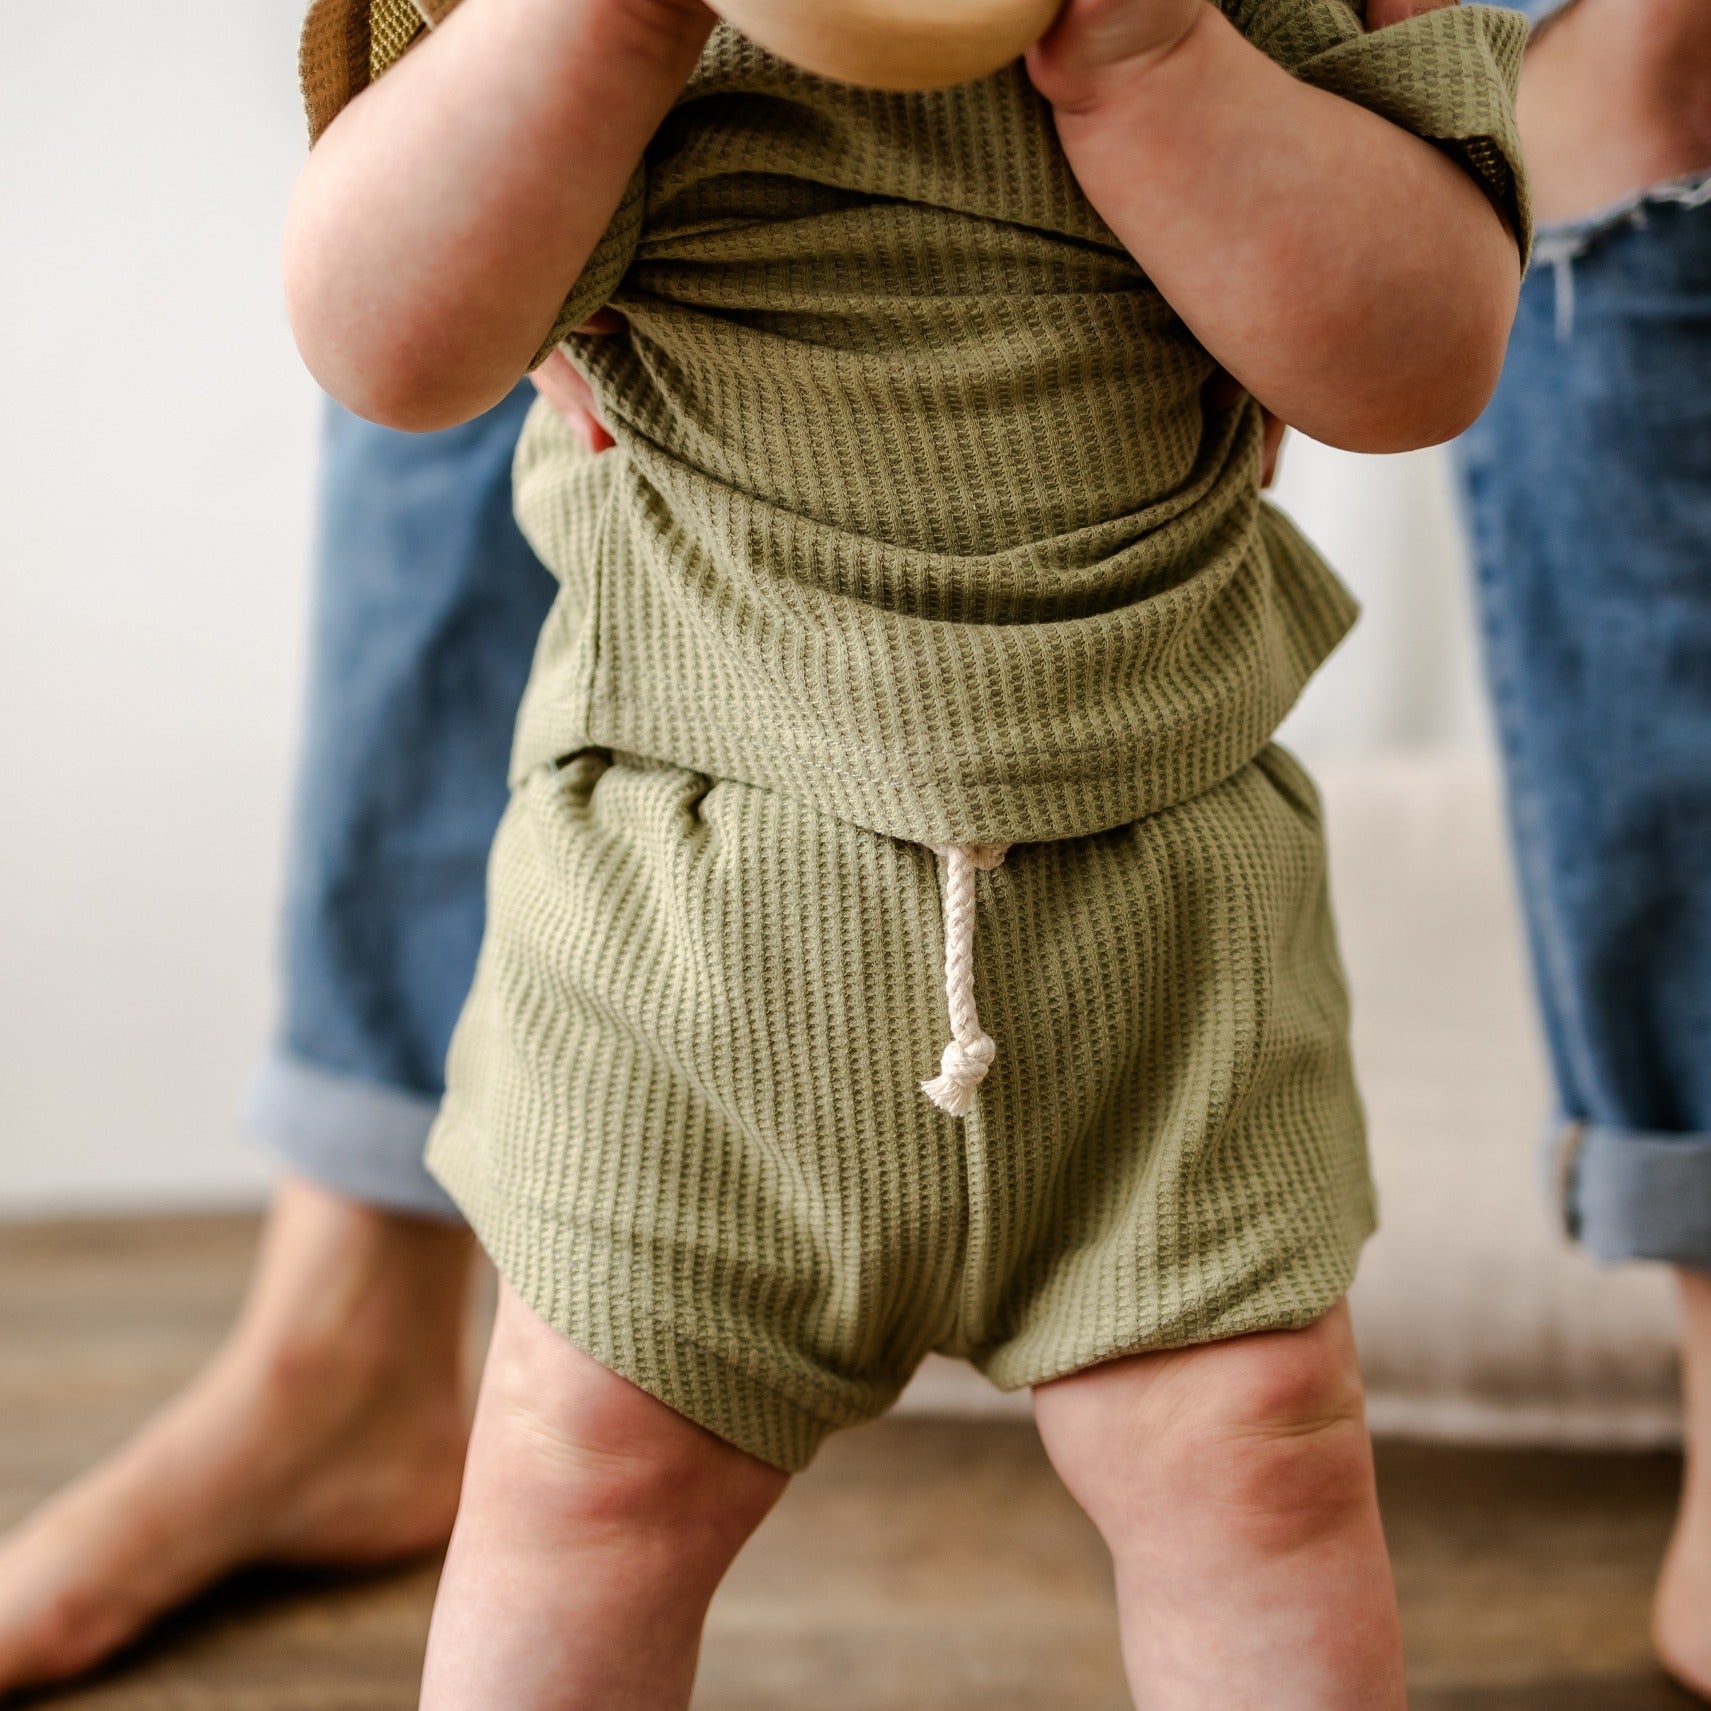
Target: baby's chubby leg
(1234, 1486)
(594, 1527)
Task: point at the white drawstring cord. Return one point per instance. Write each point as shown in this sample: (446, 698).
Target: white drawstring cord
(970, 1054)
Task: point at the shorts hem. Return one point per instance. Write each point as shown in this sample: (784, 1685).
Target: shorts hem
(1634, 1194)
(627, 1335)
(1267, 1308)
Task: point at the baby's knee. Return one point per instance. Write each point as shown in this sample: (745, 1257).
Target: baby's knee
(560, 1436)
(1285, 1455)
(1263, 1436)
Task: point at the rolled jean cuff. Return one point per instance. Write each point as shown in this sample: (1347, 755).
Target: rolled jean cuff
(1631, 1195)
(357, 1138)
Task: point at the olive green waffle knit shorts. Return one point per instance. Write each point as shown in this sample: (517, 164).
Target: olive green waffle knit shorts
(684, 1112)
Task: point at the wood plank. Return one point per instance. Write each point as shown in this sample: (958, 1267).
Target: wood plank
(920, 1565)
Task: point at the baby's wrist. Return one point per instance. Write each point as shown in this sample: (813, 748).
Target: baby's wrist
(624, 36)
(1085, 68)
(631, 36)
(674, 20)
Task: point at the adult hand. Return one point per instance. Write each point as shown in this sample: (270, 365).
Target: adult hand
(1615, 97)
(1223, 391)
(1380, 14)
(571, 395)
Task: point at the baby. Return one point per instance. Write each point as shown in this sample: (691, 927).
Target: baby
(912, 680)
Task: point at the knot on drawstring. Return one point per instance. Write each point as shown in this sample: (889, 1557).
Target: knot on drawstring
(972, 1050)
(961, 1071)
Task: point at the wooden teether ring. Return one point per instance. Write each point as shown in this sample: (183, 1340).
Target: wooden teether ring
(893, 44)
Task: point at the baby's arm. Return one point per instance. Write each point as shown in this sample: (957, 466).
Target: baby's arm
(441, 218)
(1356, 280)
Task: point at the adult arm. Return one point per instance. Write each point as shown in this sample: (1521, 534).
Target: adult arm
(1616, 97)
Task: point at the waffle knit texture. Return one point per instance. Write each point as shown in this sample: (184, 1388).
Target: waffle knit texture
(918, 533)
(917, 511)
(682, 1111)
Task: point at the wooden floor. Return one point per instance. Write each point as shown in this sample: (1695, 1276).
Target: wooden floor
(921, 1565)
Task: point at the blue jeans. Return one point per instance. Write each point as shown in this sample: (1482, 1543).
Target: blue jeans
(1588, 487)
(427, 606)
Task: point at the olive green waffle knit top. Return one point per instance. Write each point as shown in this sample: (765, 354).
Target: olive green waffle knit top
(917, 511)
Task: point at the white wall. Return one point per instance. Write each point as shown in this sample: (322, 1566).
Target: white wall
(156, 446)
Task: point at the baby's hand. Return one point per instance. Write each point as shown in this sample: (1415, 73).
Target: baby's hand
(1095, 44)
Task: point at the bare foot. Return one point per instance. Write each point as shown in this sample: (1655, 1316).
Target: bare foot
(1681, 1612)
(330, 1428)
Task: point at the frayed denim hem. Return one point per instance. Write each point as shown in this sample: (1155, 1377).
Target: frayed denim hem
(1560, 247)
